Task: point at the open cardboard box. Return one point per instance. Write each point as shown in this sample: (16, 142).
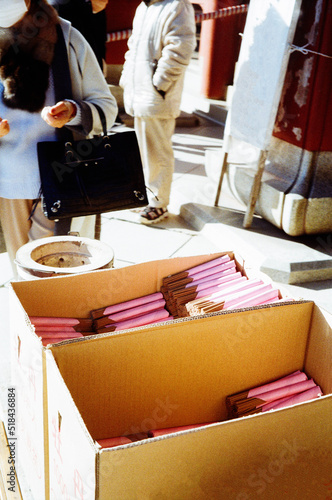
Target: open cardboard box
(76, 296)
(67, 296)
(180, 374)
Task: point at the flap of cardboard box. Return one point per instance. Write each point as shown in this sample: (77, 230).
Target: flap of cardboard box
(75, 296)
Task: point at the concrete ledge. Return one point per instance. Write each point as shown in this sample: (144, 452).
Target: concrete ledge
(268, 249)
(297, 272)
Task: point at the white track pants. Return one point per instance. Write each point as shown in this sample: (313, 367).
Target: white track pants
(154, 137)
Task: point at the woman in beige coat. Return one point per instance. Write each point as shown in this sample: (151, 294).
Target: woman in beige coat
(160, 48)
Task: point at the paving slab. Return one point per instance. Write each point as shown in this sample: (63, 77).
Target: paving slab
(283, 258)
(135, 243)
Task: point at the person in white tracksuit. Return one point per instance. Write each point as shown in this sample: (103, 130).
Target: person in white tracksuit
(159, 50)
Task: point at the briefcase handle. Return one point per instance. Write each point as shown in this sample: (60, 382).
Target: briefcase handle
(102, 118)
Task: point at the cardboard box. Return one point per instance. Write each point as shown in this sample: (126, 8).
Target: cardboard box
(41, 428)
(68, 296)
(180, 374)
(28, 375)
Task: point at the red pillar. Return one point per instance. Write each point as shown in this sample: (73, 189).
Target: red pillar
(119, 15)
(219, 47)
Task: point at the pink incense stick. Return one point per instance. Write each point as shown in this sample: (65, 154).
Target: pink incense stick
(213, 271)
(215, 282)
(279, 301)
(231, 271)
(256, 296)
(288, 390)
(54, 329)
(132, 303)
(168, 318)
(195, 287)
(46, 342)
(207, 265)
(58, 323)
(307, 395)
(145, 319)
(292, 378)
(50, 321)
(245, 294)
(136, 311)
(226, 290)
(218, 290)
(54, 340)
(270, 406)
(294, 373)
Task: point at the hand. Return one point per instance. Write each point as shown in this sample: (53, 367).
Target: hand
(4, 127)
(98, 5)
(58, 115)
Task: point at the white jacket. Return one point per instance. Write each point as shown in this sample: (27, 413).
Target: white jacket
(160, 47)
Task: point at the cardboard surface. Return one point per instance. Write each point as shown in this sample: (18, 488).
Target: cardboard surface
(28, 377)
(72, 467)
(9, 485)
(61, 297)
(266, 456)
(170, 374)
(318, 362)
(192, 364)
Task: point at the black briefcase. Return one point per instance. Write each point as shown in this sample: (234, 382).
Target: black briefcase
(91, 176)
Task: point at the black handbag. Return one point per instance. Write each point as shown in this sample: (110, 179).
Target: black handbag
(89, 176)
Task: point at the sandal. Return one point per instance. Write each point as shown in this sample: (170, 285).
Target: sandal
(152, 215)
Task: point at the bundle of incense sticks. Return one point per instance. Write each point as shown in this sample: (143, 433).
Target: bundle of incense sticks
(286, 391)
(52, 329)
(180, 288)
(122, 306)
(180, 295)
(137, 312)
(127, 314)
(187, 307)
(190, 273)
(251, 293)
(156, 316)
